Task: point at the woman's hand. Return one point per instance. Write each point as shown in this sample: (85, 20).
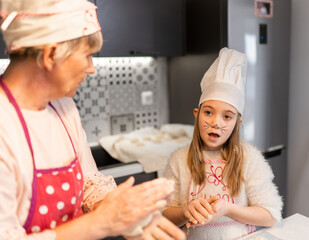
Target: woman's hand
(199, 210)
(123, 208)
(160, 228)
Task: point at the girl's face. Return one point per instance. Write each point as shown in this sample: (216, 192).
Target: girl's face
(217, 120)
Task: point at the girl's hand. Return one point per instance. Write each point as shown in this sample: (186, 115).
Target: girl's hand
(199, 210)
(160, 228)
(220, 208)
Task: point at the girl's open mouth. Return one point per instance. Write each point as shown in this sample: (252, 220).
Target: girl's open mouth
(213, 135)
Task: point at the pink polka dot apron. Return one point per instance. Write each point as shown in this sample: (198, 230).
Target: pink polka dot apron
(224, 228)
(57, 193)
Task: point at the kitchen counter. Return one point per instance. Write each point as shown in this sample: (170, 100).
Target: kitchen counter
(108, 165)
(148, 146)
(295, 227)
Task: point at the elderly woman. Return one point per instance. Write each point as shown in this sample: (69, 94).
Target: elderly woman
(50, 187)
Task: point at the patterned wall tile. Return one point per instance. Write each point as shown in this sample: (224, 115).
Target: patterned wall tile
(122, 123)
(122, 95)
(111, 100)
(147, 118)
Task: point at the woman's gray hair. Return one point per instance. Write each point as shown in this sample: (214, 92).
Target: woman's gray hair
(64, 49)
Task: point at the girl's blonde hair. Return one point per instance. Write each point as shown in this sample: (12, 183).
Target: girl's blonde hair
(232, 152)
(64, 49)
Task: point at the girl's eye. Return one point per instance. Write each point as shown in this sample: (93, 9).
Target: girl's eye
(208, 112)
(227, 117)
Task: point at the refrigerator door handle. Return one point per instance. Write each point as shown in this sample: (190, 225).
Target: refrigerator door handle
(273, 151)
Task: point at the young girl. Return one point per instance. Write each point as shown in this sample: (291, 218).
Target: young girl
(223, 186)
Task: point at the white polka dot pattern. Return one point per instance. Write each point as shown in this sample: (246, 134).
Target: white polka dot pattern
(63, 198)
(65, 218)
(43, 209)
(35, 229)
(65, 186)
(73, 201)
(60, 205)
(50, 190)
(53, 224)
(76, 211)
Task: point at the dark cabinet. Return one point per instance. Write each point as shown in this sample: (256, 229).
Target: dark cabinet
(142, 27)
(206, 26)
(139, 28)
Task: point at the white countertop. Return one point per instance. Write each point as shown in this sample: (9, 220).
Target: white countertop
(295, 227)
(122, 170)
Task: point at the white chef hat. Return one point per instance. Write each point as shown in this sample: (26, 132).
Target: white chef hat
(28, 23)
(225, 79)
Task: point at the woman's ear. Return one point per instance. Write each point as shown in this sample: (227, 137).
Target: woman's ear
(195, 111)
(49, 53)
(240, 120)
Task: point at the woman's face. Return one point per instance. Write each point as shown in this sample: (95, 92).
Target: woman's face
(72, 71)
(217, 120)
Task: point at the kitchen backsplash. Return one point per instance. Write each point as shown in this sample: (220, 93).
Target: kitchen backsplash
(123, 94)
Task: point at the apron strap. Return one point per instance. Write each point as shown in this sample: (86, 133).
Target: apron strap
(20, 116)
